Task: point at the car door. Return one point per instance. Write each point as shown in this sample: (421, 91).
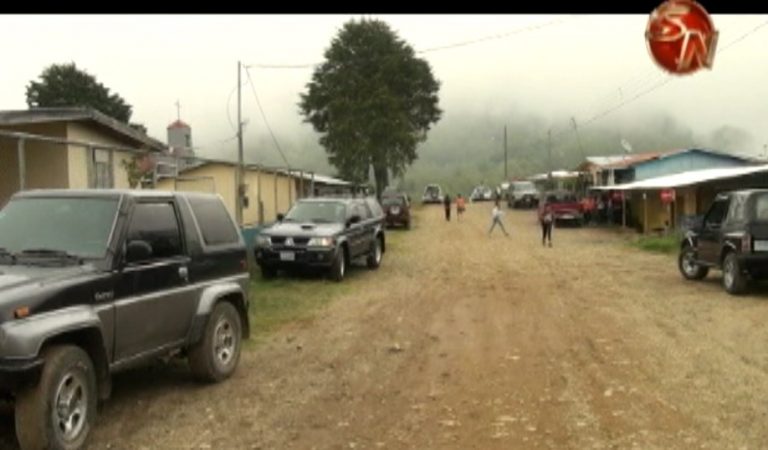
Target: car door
(155, 272)
(357, 230)
(711, 231)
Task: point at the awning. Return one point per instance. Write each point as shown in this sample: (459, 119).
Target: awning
(685, 178)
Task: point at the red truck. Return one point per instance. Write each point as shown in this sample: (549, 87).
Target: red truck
(565, 207)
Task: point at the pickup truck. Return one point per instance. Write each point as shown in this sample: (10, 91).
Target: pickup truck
(564, 205)
(93, 282)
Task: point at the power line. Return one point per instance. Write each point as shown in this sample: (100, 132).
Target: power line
(264, 116)
(431, 49)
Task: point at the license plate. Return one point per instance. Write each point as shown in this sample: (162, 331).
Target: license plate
(761, 246)
(287, 256)
(566, 216)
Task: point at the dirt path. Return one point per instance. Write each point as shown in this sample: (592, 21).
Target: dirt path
(465, 341)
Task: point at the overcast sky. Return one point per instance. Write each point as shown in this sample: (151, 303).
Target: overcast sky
(569, 66)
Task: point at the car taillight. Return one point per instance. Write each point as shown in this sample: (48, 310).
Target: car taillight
(746, 243)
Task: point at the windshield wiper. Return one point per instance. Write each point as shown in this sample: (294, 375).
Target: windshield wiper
(50, 253)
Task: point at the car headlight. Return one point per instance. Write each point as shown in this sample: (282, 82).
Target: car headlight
(262, 241)
(321, 242)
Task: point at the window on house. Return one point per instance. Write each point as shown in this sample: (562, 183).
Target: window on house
(101, 170)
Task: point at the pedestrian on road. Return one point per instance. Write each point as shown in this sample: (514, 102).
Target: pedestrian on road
(447, 203)
(547, 219)
(460, 206)
(496, 217)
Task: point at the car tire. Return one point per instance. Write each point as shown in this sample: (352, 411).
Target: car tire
(408, 224)
(687, 265)
(268, 272)
(734, 280)
(67, 383)
(216, 356)
(339, 266)
(376, 253)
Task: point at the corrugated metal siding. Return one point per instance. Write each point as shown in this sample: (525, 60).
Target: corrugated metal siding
(684, 162)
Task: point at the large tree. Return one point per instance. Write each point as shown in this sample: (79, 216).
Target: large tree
(64, 85)
(372, 101)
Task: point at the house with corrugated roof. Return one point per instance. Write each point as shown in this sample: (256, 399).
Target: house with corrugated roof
(78, 148)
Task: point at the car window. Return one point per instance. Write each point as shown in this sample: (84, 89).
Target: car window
(215, 223)
(761, 207)
(156, 224)
(738, 208)
(717, 213)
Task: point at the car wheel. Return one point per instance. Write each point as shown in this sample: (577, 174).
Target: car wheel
(734, 281)
(215, 357)
(375, 255)
(686, 262)
(408, 224)
(339, 267)
(60, 411)
(268, 272)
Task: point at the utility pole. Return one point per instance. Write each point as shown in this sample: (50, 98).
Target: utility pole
(549, 153)
(578, 138)
(506, 178)
(239, 171)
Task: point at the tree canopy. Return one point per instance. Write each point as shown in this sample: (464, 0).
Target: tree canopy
(372, 101)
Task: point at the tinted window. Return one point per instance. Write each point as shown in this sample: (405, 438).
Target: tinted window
(717, 213)
(157, 225)
(80, 226)
(214, 221)
(393, 201)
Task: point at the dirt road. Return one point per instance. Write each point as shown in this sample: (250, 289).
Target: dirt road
(464, 341)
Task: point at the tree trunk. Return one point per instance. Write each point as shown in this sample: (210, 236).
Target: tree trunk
(382, 179)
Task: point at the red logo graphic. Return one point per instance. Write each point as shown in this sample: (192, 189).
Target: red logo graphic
(681, 37)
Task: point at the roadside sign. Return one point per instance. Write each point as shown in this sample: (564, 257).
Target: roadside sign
(667, 196)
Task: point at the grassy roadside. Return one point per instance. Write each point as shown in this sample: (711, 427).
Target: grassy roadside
(294, 298)
(660, 244)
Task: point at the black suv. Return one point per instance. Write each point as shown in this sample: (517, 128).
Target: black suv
(732, 237)
(96, 281)
(326, 233)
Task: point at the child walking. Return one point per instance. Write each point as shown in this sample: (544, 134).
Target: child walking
(496, 217)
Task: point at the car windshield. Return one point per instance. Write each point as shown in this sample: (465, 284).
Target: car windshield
(317, 212)
(75, 226)
(392, 201)
(523, 186)
(432, 191)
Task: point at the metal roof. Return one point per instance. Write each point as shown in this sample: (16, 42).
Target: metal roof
(686, 178)
(45, 115)
(555, 174)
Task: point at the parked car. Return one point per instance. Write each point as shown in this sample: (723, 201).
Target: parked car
(433, 193)
(481, 193)
(522, 194)
(96, 281)
(324, 233)
(565, 207)
(731, 237)
(398, 209)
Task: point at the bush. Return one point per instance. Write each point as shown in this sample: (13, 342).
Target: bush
(663, 244)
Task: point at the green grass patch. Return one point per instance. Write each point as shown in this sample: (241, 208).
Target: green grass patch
(668, 244)
(294, 298)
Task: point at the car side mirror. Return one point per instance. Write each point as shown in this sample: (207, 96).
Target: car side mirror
(280, 217)
(138, 250)
(353, 220)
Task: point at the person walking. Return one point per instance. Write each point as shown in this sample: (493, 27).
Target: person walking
(547, 220)
(447, 203)
(460, 206)
(496, 219)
